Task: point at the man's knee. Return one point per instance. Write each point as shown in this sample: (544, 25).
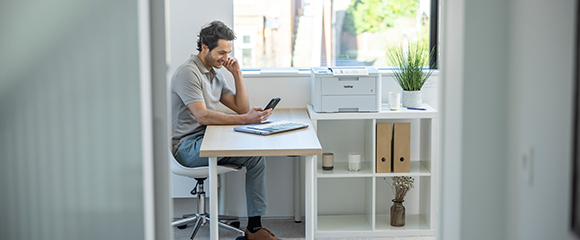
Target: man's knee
(257, 163)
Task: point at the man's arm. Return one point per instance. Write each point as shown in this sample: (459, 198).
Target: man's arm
(208, 117)
(238, 101)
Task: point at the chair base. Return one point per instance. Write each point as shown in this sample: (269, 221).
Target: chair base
(202, 219)
(229, 220)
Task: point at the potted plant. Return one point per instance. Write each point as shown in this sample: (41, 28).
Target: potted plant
(412, 70)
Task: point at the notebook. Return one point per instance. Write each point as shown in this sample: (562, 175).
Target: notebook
(271, 127)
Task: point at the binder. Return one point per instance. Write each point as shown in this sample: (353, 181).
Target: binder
(383, 155)
(401, 147)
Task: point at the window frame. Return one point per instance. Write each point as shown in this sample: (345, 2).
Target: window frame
(434, 35)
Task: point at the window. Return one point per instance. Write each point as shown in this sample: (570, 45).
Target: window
(245, 46)
(246, 39)
(247, 57)
(312, 33)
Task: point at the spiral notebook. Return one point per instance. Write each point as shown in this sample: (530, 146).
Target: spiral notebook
(271, 127)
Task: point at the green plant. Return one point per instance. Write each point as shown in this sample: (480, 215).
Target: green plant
(377, 15)
(411, 65)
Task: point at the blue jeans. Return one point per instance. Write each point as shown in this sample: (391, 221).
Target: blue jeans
(188, 155)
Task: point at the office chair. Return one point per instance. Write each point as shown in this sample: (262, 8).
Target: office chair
(202, 217)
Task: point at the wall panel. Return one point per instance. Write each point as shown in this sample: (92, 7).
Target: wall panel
(70, 122)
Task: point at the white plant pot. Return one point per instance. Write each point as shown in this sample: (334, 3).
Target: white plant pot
(412, 99)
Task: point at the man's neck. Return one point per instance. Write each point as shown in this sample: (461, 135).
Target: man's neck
(201, 57)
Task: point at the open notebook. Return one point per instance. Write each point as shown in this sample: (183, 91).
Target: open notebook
(271, 127)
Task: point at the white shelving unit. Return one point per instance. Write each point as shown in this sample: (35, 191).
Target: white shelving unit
(351, 204)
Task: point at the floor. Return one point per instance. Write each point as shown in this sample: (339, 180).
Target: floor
(285, 229)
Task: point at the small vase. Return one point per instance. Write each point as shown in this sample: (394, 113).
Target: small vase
(397, 214)
(412, 99)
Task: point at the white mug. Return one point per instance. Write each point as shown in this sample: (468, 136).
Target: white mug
(394, 100)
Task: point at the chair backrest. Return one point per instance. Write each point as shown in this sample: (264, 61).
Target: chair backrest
(198, 172)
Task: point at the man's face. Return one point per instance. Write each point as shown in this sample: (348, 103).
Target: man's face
(217, 56)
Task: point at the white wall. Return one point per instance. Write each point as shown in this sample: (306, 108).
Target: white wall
(541, 71)
(159, 20)
(499, 59)
(71, 122)
(295, 91)
(484, 123)
(474, 120)
(186, 18)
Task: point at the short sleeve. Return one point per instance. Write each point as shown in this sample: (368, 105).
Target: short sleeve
(187, 85)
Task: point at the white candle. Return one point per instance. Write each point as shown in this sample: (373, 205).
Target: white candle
(354, 161)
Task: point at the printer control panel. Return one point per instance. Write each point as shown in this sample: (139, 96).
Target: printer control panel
(341, 71)
(322, 71)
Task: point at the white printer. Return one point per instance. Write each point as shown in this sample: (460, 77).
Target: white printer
(345, 89)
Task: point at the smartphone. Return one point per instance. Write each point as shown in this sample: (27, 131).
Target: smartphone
(272, 104)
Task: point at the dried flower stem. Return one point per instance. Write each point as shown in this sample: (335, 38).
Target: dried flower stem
(400, 186)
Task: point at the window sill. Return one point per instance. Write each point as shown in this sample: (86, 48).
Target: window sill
(300, 72)
(276, 72)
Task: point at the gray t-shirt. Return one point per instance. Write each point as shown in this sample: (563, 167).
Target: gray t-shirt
(192, 82)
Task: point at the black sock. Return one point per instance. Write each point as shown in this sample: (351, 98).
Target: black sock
(254, 222)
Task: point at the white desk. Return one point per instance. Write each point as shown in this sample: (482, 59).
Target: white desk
(223, 141)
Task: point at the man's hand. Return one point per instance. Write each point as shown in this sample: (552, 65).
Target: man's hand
(256, 115)
(232, 65)
(208, 117)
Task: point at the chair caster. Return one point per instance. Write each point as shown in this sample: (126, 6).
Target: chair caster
(235, 224)
(241, 238)
(182, 226)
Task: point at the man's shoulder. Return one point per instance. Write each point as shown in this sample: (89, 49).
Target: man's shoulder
(189, 65)
(186, 69)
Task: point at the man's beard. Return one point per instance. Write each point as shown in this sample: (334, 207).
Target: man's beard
(211, 61)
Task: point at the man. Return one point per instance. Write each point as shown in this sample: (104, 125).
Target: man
(196, 88)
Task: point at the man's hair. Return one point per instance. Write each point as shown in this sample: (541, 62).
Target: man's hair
(210, 34)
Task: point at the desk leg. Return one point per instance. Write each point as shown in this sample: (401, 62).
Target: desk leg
(213, 198)
(310, 182)
(222, 194)
(297, 215)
